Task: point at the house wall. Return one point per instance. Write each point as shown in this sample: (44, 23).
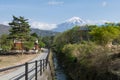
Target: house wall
(18, 46)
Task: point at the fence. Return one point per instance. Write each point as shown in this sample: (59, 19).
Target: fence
(38, 67)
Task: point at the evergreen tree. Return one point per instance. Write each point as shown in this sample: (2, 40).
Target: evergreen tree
(35, 35)
(20, 29)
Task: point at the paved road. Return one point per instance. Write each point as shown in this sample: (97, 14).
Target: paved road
(21, 70)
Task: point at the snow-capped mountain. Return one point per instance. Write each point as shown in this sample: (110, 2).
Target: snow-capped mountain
(70, 23)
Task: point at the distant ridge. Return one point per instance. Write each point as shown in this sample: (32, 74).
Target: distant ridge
(4, 29)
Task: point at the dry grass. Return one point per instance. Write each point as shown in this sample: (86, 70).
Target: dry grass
(11, 60)
(52, 65)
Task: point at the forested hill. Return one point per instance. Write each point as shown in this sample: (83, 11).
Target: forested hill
(43, 32)
(4, 29)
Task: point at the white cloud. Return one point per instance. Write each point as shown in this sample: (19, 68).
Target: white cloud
(97, 22)
(42, 25)
(104, 21)
(5, 23)
(90, 22)
(104, 3)
(55, 3)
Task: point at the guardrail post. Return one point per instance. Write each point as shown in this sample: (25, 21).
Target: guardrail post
(46, 60)
(26, 71)
(43, 65)
(40, 67)
(36, 70)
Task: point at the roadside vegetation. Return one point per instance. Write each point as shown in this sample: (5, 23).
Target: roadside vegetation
(90, 53)
(19, 30)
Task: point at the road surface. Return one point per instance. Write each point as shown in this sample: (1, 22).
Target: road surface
(19, 71)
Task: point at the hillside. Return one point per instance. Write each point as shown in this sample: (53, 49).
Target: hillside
(5, 30)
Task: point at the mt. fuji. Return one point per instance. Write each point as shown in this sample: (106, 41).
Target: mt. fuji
(70, 23)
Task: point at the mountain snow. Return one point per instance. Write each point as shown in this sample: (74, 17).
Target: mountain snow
(75, 20)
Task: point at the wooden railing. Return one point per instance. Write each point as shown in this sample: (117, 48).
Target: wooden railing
(38, 67)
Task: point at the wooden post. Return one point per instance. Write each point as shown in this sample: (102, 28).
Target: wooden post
(43, 65)
(40, 67)
(26, 71)
(36, 70)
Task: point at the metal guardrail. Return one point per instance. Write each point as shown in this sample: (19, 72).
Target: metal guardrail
(39, 67)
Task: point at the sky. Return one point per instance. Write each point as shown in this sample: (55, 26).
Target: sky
(45, 14)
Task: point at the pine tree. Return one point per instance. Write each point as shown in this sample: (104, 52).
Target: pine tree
(20, 29)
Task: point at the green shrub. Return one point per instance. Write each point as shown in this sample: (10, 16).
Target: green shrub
(28, 45)
(92, 61)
